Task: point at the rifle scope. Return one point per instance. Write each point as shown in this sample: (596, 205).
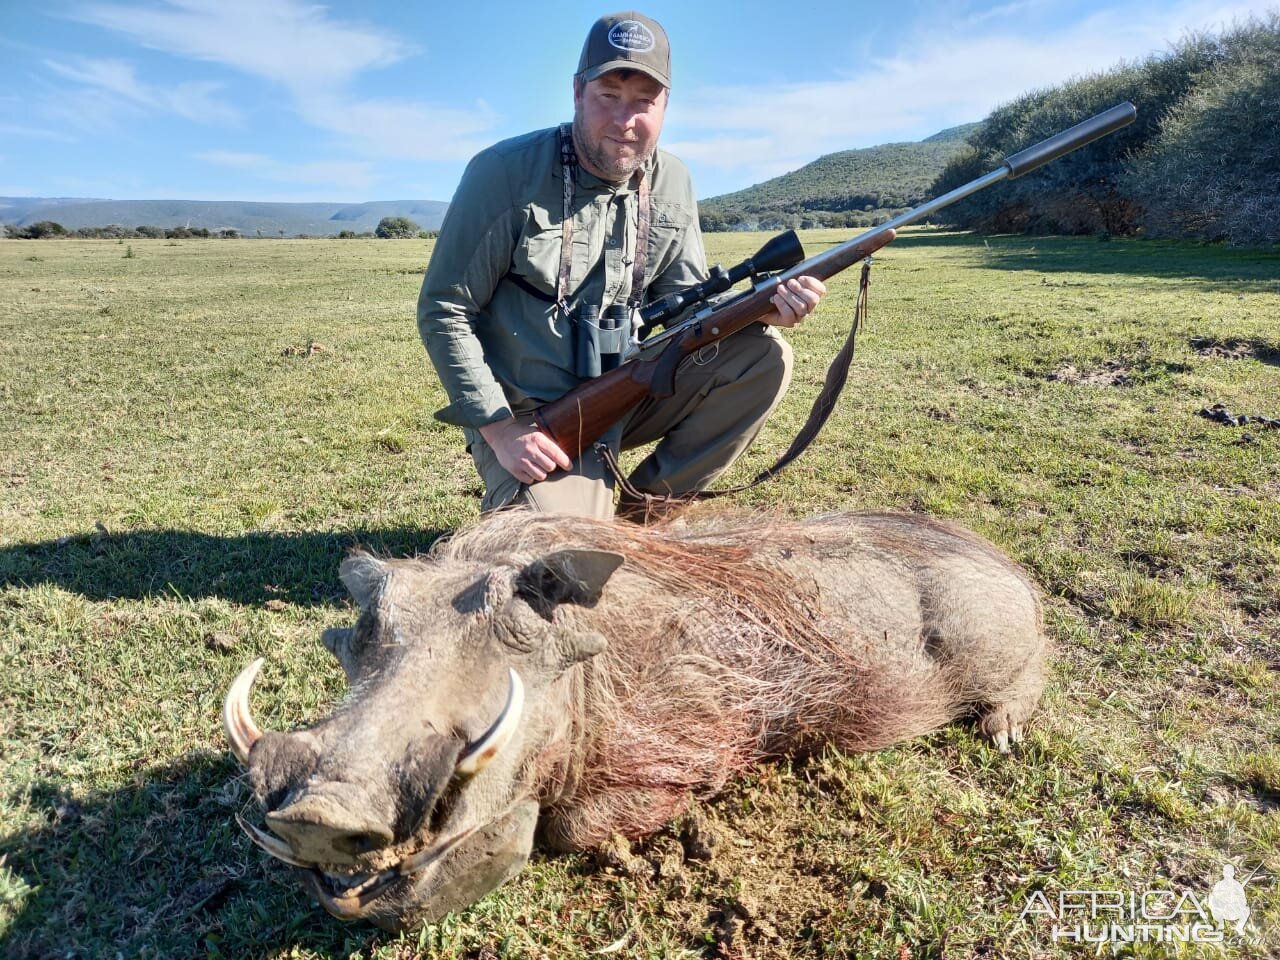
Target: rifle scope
(778, 253)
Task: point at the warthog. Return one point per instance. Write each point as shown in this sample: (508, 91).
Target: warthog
(588, 679)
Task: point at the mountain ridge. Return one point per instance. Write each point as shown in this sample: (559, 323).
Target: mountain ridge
(249, 218)
(847, 188)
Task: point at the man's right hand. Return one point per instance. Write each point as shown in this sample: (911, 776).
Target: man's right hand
(523, 450)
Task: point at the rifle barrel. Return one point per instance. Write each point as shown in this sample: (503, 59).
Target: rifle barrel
(1024, 161)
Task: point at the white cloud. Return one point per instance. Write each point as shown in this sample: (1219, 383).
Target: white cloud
(106, 80)
(347, 177)
(284, 40)
(33, 133)
(747, 134)
(316, 59)
(389, 128)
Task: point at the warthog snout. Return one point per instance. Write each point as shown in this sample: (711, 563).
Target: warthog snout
(325, 829)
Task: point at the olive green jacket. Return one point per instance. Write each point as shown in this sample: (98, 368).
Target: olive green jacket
(499, 349)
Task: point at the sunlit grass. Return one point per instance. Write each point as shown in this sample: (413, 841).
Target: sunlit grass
(192, 437)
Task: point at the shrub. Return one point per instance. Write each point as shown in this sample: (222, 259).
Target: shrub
(44, 229)
(396, 228)
(1212, 173)
(1199, 160)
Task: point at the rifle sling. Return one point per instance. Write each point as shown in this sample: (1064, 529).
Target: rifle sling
(819, 413)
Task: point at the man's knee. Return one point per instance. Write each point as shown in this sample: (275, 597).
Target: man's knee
(768, 367)
(762, 352)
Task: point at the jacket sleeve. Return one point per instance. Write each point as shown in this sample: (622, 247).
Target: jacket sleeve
(471, 255)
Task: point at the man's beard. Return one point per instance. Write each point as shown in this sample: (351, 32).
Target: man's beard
(615, 170)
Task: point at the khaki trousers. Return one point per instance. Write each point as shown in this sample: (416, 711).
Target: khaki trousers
(722, 399)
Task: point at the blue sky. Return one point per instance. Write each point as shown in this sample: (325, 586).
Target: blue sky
(346, 101)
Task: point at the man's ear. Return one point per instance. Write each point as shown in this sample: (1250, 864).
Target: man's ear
(567, 576)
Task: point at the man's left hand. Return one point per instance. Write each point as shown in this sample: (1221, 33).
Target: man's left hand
(795, 300)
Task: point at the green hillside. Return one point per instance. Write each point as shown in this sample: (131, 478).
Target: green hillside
(849, 188)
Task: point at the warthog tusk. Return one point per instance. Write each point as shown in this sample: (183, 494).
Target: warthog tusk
(236, 718)
(276, 848)
(477, 756)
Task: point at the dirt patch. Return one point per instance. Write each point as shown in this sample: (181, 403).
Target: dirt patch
(1112, 374)
(308, 350)
(739, 885)
(1235, 349)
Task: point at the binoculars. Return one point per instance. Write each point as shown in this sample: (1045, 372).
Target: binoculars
(599, 342)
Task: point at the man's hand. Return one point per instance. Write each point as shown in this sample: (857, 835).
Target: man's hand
(795, 300)
(523, 450)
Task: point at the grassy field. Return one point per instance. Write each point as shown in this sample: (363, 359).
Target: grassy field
(193, 433)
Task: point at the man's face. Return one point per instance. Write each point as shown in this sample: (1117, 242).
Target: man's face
(616, 123)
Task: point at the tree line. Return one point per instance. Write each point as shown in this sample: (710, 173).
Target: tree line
(389, 228)
(1202, 160)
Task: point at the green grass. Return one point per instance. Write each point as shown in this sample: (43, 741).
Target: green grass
(192, 437)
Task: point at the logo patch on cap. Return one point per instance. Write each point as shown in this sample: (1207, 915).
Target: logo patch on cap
(632, 36)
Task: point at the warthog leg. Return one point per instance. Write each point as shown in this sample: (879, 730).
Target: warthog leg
(1003, 722)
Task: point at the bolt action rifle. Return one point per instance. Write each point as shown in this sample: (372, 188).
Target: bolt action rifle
(584, 414)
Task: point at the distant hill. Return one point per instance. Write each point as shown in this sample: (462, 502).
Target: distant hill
(960, 133)
(850, 188)
(250, 219)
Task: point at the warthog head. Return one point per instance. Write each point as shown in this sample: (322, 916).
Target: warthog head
(416, 796)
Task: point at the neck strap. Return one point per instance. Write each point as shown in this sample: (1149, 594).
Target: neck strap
(568, 169)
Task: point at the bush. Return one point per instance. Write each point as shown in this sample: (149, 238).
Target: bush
(1212, 173)
(396, 228)
(43, 229)
(1081, 192)
(112, 231)
(1199, 160)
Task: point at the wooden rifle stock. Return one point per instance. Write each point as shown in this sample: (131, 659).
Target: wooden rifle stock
(585, 414)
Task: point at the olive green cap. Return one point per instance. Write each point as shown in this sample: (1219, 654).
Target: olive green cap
(626, 41)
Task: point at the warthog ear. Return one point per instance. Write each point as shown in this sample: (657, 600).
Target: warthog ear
(567, 576)
(340, 641)
(363, 576)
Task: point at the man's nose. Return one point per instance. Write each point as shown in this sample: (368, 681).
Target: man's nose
(625, 116)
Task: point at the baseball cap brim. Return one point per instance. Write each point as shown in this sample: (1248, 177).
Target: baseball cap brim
(595, 73)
